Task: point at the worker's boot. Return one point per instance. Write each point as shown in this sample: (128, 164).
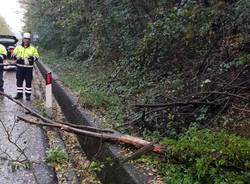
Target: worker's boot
(18, 96)
(28, 94)
(28, 98)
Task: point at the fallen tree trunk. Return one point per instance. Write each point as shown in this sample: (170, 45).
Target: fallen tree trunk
(115, 137)
(104, 134)
(145, 146)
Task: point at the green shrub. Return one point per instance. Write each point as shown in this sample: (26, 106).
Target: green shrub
(204, 157)
(95, 99)
(56, 155)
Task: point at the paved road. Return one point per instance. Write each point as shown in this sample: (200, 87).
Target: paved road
(28, 137)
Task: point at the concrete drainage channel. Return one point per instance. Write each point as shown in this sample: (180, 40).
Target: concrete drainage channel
(117, 173)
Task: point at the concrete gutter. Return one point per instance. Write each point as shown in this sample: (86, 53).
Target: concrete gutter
(93, 147)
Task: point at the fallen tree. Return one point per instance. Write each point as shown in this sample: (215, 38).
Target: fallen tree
(104, 134)
(179, 151)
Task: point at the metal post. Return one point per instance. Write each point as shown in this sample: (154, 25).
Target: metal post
(48, 94)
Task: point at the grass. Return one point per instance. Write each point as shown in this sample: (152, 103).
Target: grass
(56, 155)
(90, 85)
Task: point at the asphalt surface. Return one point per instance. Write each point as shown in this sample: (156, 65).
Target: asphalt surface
(27, 137)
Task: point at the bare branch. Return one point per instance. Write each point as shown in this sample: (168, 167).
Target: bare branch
(19, 149)
(117, 137)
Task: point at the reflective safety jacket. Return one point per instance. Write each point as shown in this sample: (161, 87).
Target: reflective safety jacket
(3, 53)
(3, 50)
(23, 54)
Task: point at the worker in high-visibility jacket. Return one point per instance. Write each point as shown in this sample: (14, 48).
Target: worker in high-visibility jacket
(25, 56)
(3, 54)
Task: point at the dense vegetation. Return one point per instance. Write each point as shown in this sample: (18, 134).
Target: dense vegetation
(184, 62)
(202, 156)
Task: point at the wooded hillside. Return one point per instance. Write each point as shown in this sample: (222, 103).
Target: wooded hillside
(158, 68)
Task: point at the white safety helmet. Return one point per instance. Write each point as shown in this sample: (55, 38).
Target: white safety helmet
(26, 35)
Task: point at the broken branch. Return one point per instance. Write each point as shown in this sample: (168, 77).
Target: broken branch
(91, 131)
(135, 141)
